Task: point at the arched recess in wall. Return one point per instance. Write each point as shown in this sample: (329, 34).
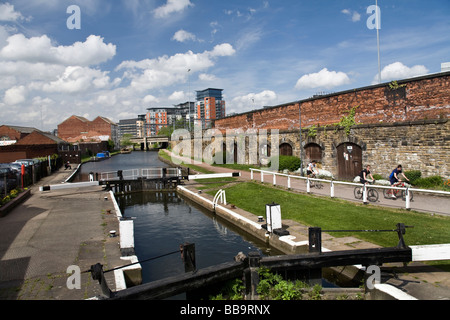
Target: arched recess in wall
(285, 149)
(313, 151)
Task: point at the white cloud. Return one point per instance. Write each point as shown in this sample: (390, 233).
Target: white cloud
(78, 79)
(207, 77)
(183, 36)
(322, 79)
(253, 101)
(15, 95)
(355, 16)
(40, 49)
(177, 96)
(398, 70)
(172, 6)
(165, 71)
(7, 13)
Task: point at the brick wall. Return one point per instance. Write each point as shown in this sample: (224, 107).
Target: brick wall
(72, 127)
(12, 134)
(419, 98)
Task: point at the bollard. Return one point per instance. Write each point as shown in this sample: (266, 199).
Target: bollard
(98, 274)
(308, 186)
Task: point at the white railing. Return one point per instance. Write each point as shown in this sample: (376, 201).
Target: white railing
(148, 173)
(333, 182)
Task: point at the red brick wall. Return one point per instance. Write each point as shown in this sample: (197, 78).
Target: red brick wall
(72, 127)
(420, 98)
(101, 126)
(11, 133)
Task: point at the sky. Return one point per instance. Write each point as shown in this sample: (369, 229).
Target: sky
(116, 58)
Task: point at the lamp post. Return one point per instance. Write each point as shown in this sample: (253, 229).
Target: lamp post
(189, 99)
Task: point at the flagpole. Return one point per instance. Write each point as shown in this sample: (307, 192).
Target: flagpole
(378, 25)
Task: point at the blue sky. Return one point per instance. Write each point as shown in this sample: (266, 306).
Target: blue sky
(133, 54)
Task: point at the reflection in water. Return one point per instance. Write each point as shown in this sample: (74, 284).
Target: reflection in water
(164, 220)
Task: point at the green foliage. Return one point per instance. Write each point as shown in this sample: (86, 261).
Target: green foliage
(233, 290)
(413, 175)
(290, 163)
(273, 287)
(429, 182)
(312, 131)
(348, 121)
(394, 85)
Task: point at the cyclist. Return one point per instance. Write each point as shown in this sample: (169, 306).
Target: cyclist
(364, 174)
(394, 177)
(311, 170)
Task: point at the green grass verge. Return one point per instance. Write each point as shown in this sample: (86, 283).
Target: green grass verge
(335, 214)
(214, 183)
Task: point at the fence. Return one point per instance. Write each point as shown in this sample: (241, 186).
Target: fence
(133, 174)
(12, 176)
(334, 182)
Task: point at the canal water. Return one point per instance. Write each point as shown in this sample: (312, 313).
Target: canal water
(164, 220)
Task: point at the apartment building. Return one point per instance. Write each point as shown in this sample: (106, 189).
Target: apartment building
(209, 107)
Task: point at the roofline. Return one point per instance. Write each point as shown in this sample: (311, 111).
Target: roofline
(413, 79)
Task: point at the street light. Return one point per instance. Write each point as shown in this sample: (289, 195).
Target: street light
(189, 99)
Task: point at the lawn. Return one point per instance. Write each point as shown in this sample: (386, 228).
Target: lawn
(335, 214)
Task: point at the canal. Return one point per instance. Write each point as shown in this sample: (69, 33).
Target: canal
(164, 220)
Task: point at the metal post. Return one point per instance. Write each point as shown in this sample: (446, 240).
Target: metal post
(332, 189)
(253, 281)
(300, 139)
(408, 199)
(308, 185)
(289, 182)
(274, 179)
(315, 239)
(188, 256)
(365, 194)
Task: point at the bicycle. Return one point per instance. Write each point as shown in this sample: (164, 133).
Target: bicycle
(315, 184)
(389, 193)
(372, 193)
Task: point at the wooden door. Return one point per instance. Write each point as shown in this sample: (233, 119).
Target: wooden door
(285, 149)
(313, 152)
(349, 157)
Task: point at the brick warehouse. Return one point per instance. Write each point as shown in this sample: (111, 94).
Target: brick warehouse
(404, 122)
(79, 129)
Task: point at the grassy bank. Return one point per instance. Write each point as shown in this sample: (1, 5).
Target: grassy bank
(335, 214)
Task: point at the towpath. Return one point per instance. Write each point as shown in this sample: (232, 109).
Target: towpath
(51, 231)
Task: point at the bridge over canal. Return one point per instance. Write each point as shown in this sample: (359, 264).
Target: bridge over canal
(149, 140)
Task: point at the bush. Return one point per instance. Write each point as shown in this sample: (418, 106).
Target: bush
(430, 182)
(413, 175)
(290, 163)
